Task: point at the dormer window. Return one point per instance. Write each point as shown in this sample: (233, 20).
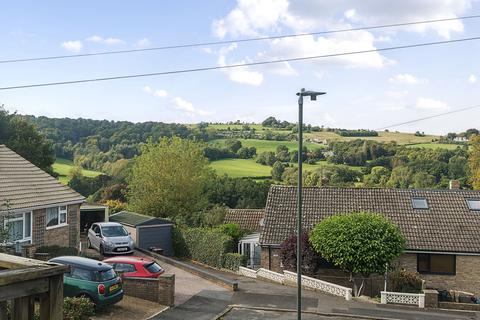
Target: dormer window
(419, 203)
(474, 204)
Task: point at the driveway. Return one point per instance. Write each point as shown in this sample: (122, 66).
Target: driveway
(129, 308)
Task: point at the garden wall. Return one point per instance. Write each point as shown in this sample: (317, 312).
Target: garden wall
(160, 290)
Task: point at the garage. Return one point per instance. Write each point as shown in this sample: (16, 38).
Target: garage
(91, 213)
(147, 231)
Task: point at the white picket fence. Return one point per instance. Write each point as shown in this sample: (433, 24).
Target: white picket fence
(291, 277)
(403, 298)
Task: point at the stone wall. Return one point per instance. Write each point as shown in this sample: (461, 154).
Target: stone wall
(270, 259)
(160, 290)
(64, 236)
(73, 221)
(465, 279)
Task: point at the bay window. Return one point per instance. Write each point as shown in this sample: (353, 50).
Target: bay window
(56, 216)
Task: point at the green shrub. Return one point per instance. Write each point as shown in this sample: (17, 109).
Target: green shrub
(56, 251)
(78, 308)
(207, 246)
(234, 231)
(406, 281)
(233, 261)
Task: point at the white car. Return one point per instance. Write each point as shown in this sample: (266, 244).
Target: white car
(110, 238)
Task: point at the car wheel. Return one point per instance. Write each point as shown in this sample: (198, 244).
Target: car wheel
(89, 244)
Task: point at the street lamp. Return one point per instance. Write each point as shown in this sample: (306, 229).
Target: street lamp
(313, 97)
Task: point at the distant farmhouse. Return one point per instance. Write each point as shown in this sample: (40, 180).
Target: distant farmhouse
(442, 229)
(39, 210)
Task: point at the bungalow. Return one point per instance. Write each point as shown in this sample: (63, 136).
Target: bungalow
(442, 228)
(36, 208)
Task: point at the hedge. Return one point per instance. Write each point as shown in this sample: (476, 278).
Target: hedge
(233, 261)
(207, 246)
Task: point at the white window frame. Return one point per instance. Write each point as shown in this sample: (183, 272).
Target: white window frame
(22, 218)
(60, 211)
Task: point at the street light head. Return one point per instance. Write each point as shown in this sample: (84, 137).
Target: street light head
(312, 94)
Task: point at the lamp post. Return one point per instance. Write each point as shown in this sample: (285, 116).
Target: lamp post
(313, 96)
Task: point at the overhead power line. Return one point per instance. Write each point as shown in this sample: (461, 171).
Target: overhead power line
(161, 73)
(223, 42)
(428, 117)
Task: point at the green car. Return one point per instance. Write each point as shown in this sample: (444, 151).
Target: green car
(92, 279)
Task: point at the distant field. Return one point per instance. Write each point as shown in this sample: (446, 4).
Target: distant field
(258, 127)
(399, 137)
(63, 167)
(269, 145)
(242, 168)
(239, 168)
(435, 146)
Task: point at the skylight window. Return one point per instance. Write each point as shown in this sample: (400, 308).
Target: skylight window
(474, 204)
(419, 203)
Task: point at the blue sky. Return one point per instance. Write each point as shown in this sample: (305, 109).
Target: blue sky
(363, 91)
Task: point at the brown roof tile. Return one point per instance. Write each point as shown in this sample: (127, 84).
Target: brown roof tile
(248, 219)
(25, 186)
(448, 224)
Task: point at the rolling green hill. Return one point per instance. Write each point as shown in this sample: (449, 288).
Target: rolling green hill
(63, 167)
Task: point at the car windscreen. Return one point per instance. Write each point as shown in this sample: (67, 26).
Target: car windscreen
(114, 231)
(153, 267)
(105, 275)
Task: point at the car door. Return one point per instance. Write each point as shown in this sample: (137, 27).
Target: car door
(94, 239)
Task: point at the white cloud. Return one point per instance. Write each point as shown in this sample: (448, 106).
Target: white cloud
(428, 103)
(157, 93)
(73, 46)
(144, 42)
(329, 119)
(350, 13)
(254, 17)
(406, 78)
(242, 75)
(396, 94)
(308, 46)
(187, 108)
(250, 17)
(108, 41)
(472, 78)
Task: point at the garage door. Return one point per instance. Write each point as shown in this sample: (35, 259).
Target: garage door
(155, 237)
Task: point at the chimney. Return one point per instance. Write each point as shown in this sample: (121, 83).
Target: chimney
(454, 184)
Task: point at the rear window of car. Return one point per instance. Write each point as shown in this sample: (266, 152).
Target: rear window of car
(106, 275)
(81, 274)
(153, 267)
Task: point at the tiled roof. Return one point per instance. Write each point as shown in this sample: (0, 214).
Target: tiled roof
(25, 186)
(135, 219)
(448, 225)
(248, 219)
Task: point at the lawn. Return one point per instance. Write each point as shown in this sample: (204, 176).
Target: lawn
(435, 146)
(269, 145)
(63, 167)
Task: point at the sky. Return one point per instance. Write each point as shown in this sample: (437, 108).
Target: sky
(368, 91)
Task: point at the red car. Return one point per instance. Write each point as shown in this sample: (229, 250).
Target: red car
(131, 266)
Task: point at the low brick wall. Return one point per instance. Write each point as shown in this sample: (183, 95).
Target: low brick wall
(160, 290)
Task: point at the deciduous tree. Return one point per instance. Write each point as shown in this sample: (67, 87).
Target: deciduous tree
(168, 180)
